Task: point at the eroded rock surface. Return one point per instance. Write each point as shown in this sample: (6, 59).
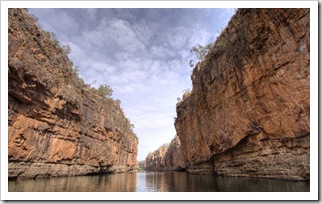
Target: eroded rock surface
(249, 111)
(57, 125)
(167, 157)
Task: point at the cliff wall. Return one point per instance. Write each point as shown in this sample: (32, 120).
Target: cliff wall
(249, 111)
(166, 158)
(57, 125)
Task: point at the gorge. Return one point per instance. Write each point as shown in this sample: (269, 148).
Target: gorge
(249, 111)
(57, 125)
(248, 114)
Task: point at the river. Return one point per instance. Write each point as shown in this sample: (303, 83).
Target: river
(145, 181)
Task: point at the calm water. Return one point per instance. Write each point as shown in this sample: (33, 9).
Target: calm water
(156, 181)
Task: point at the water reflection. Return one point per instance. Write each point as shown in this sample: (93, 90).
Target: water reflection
(95, 183)
(157, 182)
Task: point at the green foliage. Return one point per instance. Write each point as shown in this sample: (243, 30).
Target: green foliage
(129, 124)
(118, 102)
(67, 49)
(34, 17)
(73, 75)
(191, 64)
(201, 51)
(54, 38)
(76, 70)
(53, 35)
(186, 93)
(104, 90)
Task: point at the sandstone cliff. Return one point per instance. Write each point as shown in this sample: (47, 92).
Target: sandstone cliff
(141, 165)
(167, 157)
(57, 125)
(249, 111)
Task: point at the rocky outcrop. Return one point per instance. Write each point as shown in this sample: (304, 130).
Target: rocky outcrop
(57, 125)
(167, 157)
(249, 111)
(141, 164)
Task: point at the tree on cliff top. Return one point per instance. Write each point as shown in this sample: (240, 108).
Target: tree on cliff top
(104, 90)
(201, 51)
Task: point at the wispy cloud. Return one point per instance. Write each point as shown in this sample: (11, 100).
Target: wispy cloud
(144, 31)
(162, 52)
(143, 54)
(177, 37)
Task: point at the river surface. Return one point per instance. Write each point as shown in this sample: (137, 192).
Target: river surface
(145, 181)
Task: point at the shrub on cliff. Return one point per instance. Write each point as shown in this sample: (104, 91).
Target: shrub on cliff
(200, 51)
(104, 90)
(67, 49)
(186, 93)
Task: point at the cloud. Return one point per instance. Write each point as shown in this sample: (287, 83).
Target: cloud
(177, 37)
(104, 67)
(129, 78)
(124, 36)
(144, 31)
(162, 52)
(94, 38)
(122, 56)
(143, 54)
(111, 35)
(91, 13)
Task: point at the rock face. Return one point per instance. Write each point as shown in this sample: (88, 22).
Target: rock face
(141, 164)
(167, 157)
(57, 125)
(249, 111)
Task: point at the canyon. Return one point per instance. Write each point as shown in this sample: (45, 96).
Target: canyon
(57, 125)
(248, 113)
(168, 157)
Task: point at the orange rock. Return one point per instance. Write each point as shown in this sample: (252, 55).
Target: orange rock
(57, 126)
(249, 110)
(167, 157)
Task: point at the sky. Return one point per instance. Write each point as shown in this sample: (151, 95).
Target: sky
(142, 54)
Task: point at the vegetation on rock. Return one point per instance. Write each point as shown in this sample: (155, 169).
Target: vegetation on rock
(104, 90)
(57, 125)
(248, 113)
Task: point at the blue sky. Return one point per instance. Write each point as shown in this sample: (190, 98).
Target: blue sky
(143, 54)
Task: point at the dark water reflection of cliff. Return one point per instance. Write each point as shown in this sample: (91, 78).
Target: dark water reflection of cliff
(157, 182)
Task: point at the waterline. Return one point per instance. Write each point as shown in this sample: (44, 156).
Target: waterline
(156, 182)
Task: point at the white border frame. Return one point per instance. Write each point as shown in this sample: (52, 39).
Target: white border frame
(312, 195)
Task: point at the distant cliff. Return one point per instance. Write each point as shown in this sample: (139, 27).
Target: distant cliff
(249, 111)
(167, 157)
(57, 125)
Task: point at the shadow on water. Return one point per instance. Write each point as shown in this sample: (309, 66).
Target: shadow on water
(184, 182)
(156, 182)
(125, 182)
